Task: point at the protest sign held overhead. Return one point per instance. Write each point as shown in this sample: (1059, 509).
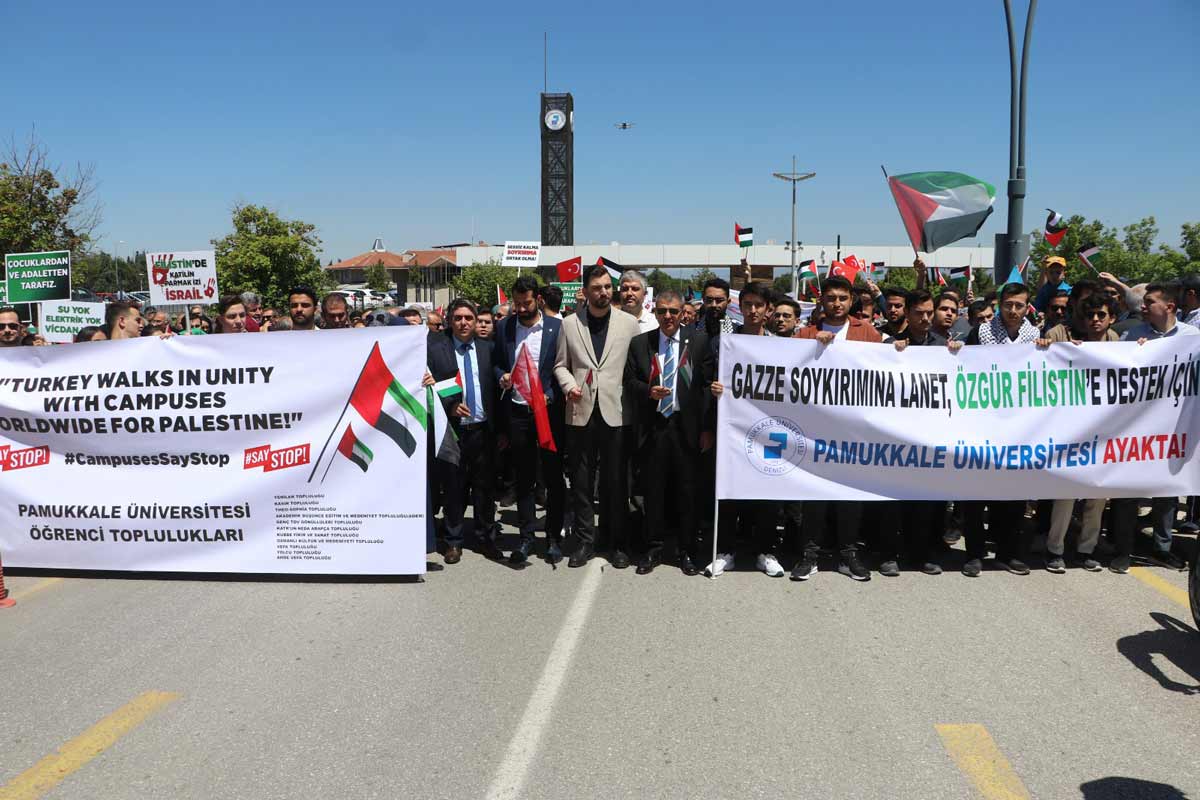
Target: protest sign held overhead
(34, 277)
(522, 255)
(182, 277)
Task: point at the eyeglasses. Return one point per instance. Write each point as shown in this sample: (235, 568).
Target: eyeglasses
(10, 326)
(712, 301)
(1097, 315)
(662, 312)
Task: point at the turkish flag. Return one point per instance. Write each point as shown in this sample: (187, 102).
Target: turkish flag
(844, 269)
(528, 384)
(570, 270)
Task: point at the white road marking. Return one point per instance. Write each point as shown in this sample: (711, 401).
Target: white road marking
(510, 777)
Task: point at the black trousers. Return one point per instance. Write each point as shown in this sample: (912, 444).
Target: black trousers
(911, 529)
(668, 466)
(592, 447)
(1006, 527)
(753, 523)
(476, 446)
(526, 455)
(848, 519)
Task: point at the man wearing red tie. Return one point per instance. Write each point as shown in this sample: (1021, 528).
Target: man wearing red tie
(667, 375)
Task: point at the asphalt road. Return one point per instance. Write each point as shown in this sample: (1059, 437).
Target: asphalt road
(488, 682)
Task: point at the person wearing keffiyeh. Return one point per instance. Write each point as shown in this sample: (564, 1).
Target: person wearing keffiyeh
(1006, 518)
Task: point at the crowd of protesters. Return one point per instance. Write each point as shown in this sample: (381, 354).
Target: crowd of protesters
(631, 394)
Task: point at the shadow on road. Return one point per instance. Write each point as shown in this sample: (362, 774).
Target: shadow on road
(1173, 641)
(1129, 789)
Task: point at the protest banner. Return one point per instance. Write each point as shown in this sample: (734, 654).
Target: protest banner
(217, 454)
(182, 277)
(62, 319)
(569, 290)
(522, 255)
(854, 421)
(34, 277)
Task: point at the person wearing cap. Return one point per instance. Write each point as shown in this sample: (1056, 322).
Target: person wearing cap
(1053, 269)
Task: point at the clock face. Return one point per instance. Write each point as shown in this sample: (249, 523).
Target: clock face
(555, 119)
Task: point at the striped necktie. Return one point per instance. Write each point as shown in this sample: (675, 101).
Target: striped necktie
(666, 406)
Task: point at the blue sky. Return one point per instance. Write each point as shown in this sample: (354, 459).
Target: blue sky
(409, 121)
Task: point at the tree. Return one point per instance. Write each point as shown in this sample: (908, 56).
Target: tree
(41, 208)
(1130, 255)
(269, 255)
(478, 282)
(98, 271)
(378, 278)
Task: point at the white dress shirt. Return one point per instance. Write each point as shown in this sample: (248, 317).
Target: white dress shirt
(531, 337)
(670, 347)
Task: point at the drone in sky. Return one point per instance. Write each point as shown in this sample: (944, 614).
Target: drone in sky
(623, 126)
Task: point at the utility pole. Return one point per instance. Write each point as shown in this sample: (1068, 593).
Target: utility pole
(794, 177)
(1012, 247)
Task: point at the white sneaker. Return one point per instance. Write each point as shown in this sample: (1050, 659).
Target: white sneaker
(723, 562)
(770, 565)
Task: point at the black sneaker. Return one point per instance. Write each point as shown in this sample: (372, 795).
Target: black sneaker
(853, 567)
(972, 568)
(931, 568)
(1119, 565)
(1086, 561)
(1170, 560)
(1056, 564)
(889, 569)
(805, 568)
(1014, 565)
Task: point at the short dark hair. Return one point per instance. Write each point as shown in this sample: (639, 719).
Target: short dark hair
(335, 297)
(479, 312)
(1095, 302)
(1086, 286)
(976, 308)
(916, 297)
(716, 283)
(1064, 293)
(525, 283)
(895, 291)
(837, 282)
(115, 311)
(1013, 289)
(228, 301)
(1189, 283)
(593, 272)
(552, 297)
(308, 291)
(772, 295)
(952, 296)
(10, 310)
(755, 289)
(1168, 290)
(461, 302)
(787, 301)
(668, 295)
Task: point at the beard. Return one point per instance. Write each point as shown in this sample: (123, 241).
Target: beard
(601, 302)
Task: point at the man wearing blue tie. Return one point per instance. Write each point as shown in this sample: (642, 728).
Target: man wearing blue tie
(458, 352)
(667, 373)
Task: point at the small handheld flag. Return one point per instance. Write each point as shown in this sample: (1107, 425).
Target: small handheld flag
(501, 297)
(449, 387)
(1087, 254)
(808, 270)
(961, 274)
(1056, 228)
(743, 237)
(614, 269)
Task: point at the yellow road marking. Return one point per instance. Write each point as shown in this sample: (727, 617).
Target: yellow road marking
(45, 583)
(56, 767)
(1160, 585)
(978, 757)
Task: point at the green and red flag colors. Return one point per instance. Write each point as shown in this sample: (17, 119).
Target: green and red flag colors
(961, 274)
(878, 270)
(444, 438)
(941, 207)
(384, 404)
(1087, 254)
(449, 387)
(1056, 228)
(355, 450)
(808, 270)
(614, 269)
(744, 237)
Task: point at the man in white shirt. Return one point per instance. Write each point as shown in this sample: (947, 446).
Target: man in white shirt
(633, 299)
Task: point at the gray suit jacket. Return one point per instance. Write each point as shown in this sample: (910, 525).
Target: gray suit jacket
(576, 359)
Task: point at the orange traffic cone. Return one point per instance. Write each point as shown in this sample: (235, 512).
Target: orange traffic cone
(5, 600)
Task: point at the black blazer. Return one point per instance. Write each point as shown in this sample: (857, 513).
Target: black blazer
(694, 399)
(504, 356)
(443, 363)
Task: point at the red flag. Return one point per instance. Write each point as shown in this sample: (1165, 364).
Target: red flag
(852, 261)
(501, 297)
(655, 369)
(570, 270)
(844, 269)
(528, 384)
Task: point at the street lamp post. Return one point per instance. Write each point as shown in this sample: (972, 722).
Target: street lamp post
(794, 177)
(1012, 247)
(117, 266)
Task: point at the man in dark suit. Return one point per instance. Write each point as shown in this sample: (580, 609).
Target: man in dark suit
(667, 374)
(472, 415)
(527, 328)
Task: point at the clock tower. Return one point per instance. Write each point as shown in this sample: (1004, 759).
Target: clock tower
(557, 123)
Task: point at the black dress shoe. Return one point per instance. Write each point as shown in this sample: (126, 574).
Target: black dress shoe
(581, 556)
(453, 555)
(686, 566)
(520, 553)
(646, 565)
(553, 552)
(489, 549)
(619, 560)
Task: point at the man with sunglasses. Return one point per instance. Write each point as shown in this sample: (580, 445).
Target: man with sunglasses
(11, 329)
(268, 319)
(667, 373)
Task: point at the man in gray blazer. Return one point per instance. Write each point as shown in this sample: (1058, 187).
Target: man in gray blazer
(590, 368)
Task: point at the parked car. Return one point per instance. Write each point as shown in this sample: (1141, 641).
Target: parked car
(86, 296)
(141, 297)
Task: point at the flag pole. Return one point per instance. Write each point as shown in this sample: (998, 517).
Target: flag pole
(887, 178)
(338, 424)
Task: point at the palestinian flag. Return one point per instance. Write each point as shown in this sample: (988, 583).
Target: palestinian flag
(807, 270)
(1056, 228)
(878, 269)
(443, 434)
(684, 370)
(743, 237)
(355, 450)
(941, 207)
(1087, 254)
(384, 404)
(614, 269)
(449, 387)
(961, 274)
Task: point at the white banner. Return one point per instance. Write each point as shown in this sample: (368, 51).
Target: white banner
(859, 421)
(523, 255)
(183, 277)
(61, 319)
(297, 452)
